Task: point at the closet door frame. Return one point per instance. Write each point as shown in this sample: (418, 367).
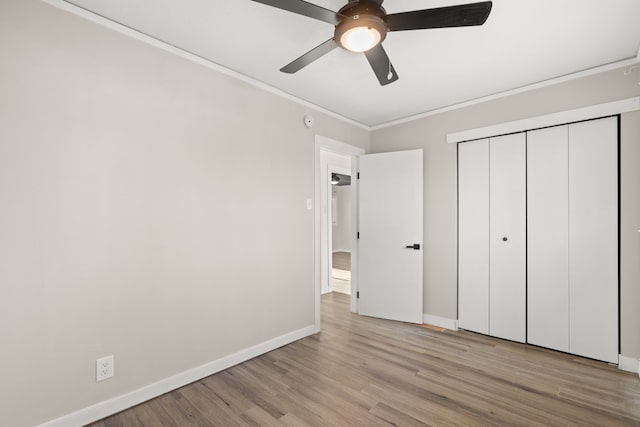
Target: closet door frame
(614, 335)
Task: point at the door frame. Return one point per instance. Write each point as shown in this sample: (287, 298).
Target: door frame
(323, 143)
(345, 171)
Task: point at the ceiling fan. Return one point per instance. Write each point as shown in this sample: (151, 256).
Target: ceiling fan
(362, 26)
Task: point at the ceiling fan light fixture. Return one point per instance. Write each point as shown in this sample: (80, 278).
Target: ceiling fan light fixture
(360, 33)
(362, 26)
(360, 39)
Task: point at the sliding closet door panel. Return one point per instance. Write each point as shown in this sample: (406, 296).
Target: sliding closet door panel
(473, 236)
(593, 239)
(548, 237)
(507, 206)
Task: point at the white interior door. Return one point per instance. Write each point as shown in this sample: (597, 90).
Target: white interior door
(390, 223)
(548, 237)
(593, 239)
(507, 223)
(473, 236)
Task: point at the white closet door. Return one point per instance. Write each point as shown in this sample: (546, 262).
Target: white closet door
(593, 239)
(507, 236)
(473, 236)
(548, 237)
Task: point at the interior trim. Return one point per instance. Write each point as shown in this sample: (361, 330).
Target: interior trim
(65, 5)
(323, 143)
(124, 401)
(629, 364)
(123, 29)
(568, 77)
(443, 322)
(554, 119)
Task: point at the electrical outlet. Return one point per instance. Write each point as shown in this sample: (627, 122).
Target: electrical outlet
(104, 368)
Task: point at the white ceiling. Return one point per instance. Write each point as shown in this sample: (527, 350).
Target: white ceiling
(523, 42)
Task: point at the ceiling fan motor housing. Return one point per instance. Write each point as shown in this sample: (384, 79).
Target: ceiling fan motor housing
(356, 7)
(361, 14)
(362, 25)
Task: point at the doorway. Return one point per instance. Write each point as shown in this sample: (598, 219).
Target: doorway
(343, 157)
(340, 230)
(374, 236)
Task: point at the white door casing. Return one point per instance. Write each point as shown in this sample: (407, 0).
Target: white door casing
(390, 219)
(327, 144)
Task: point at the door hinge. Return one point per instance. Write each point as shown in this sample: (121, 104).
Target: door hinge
(358, 294)
(358, 235)
(358, 175)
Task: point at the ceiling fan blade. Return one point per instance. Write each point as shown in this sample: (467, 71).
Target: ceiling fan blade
(303, 8)
(463, 15)
(381, 65)
(309, 57)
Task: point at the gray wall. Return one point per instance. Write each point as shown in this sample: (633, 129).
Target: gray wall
(342, 229)
(440, 182)
(630, 233)
(131, 183)
(147, 211)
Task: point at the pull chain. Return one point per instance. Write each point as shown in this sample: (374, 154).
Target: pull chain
(390, 75)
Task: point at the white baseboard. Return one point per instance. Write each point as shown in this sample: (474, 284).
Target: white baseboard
(341, 250)
(442, 322)
(630, 364)
(108, 407)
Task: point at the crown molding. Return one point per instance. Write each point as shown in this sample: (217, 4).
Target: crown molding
(160, 44)
(527, 88)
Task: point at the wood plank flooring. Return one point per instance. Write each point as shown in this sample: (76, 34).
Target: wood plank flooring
(338, 284)
(341, 260)
(363, 371)
(341, 273)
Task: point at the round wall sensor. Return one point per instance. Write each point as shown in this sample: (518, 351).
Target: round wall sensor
(308, 121)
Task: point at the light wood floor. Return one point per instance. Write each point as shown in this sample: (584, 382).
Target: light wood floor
(341, 273)
(341, 260)
(362, 371)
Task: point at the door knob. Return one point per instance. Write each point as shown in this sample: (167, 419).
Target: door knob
(415, 246)
(504, 239)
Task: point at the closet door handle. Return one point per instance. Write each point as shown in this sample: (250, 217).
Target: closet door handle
(415, 246)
